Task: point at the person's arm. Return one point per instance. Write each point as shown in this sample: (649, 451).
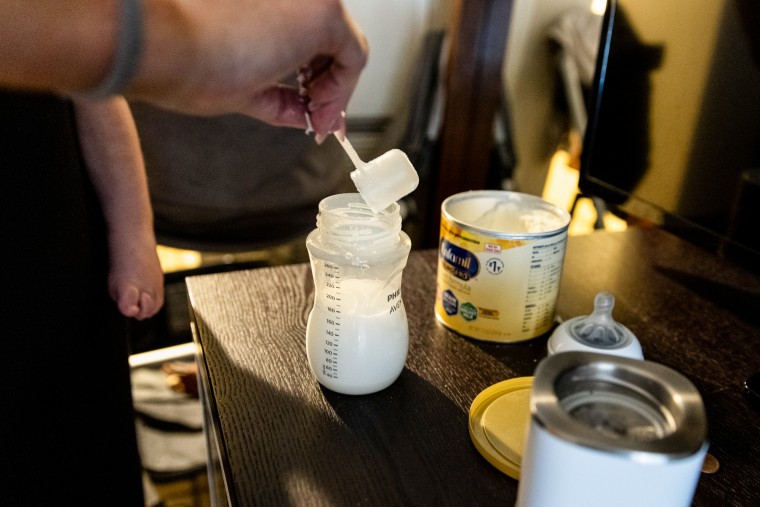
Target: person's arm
(56, 45)
(197, 57)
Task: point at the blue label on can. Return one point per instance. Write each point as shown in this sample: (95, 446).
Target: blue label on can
(450, 303)
(460, 262)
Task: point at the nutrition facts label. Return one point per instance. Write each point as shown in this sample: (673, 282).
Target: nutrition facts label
(543, 285)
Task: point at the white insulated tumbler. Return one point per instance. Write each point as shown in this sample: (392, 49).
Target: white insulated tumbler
(608, 430)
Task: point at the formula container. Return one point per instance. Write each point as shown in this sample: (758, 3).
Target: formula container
(609, 431)
(357, 336)
(499, 264)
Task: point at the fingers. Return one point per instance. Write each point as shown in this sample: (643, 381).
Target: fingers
(325, 85)
(332, 85)
(279, 105)
(285, 106)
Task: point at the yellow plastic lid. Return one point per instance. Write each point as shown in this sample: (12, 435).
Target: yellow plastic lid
(499, 419)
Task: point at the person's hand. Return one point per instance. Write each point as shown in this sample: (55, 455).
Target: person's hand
(231, 56)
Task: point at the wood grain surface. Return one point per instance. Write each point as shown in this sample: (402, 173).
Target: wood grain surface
(284, 440)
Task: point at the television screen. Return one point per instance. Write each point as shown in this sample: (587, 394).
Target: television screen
(673, 134)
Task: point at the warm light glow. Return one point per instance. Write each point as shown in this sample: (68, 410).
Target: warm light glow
(561, 183)
(598, 7)
(175, 259)
(561, 188)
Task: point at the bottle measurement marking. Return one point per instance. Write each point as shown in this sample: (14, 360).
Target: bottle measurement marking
(332, 339)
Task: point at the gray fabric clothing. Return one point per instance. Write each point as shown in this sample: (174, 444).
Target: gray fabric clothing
(232, 182)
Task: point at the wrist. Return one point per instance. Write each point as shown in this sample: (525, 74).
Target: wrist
(129, 38)
(167, 50)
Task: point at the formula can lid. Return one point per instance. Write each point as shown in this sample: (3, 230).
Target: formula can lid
(499, 420)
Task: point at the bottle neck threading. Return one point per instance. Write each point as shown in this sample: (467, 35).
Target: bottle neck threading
(349, 222)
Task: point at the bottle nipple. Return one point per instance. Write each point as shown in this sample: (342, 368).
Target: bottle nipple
(599, 329)
(597, 332)
(383, 180)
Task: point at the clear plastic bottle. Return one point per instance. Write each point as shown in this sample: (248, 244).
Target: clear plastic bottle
(357, 336)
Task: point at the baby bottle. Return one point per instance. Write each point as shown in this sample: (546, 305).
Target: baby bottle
(357, 335)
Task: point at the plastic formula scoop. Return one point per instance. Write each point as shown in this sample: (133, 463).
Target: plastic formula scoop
(384, 180)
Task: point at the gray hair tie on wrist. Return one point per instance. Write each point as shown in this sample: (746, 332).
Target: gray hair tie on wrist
(127, 54)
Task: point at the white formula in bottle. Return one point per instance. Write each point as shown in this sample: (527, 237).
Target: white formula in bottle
(358, 347)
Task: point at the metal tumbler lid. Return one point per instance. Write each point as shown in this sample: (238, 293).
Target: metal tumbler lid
(641, 409)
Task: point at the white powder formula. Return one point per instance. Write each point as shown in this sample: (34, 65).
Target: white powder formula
(506, 213)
